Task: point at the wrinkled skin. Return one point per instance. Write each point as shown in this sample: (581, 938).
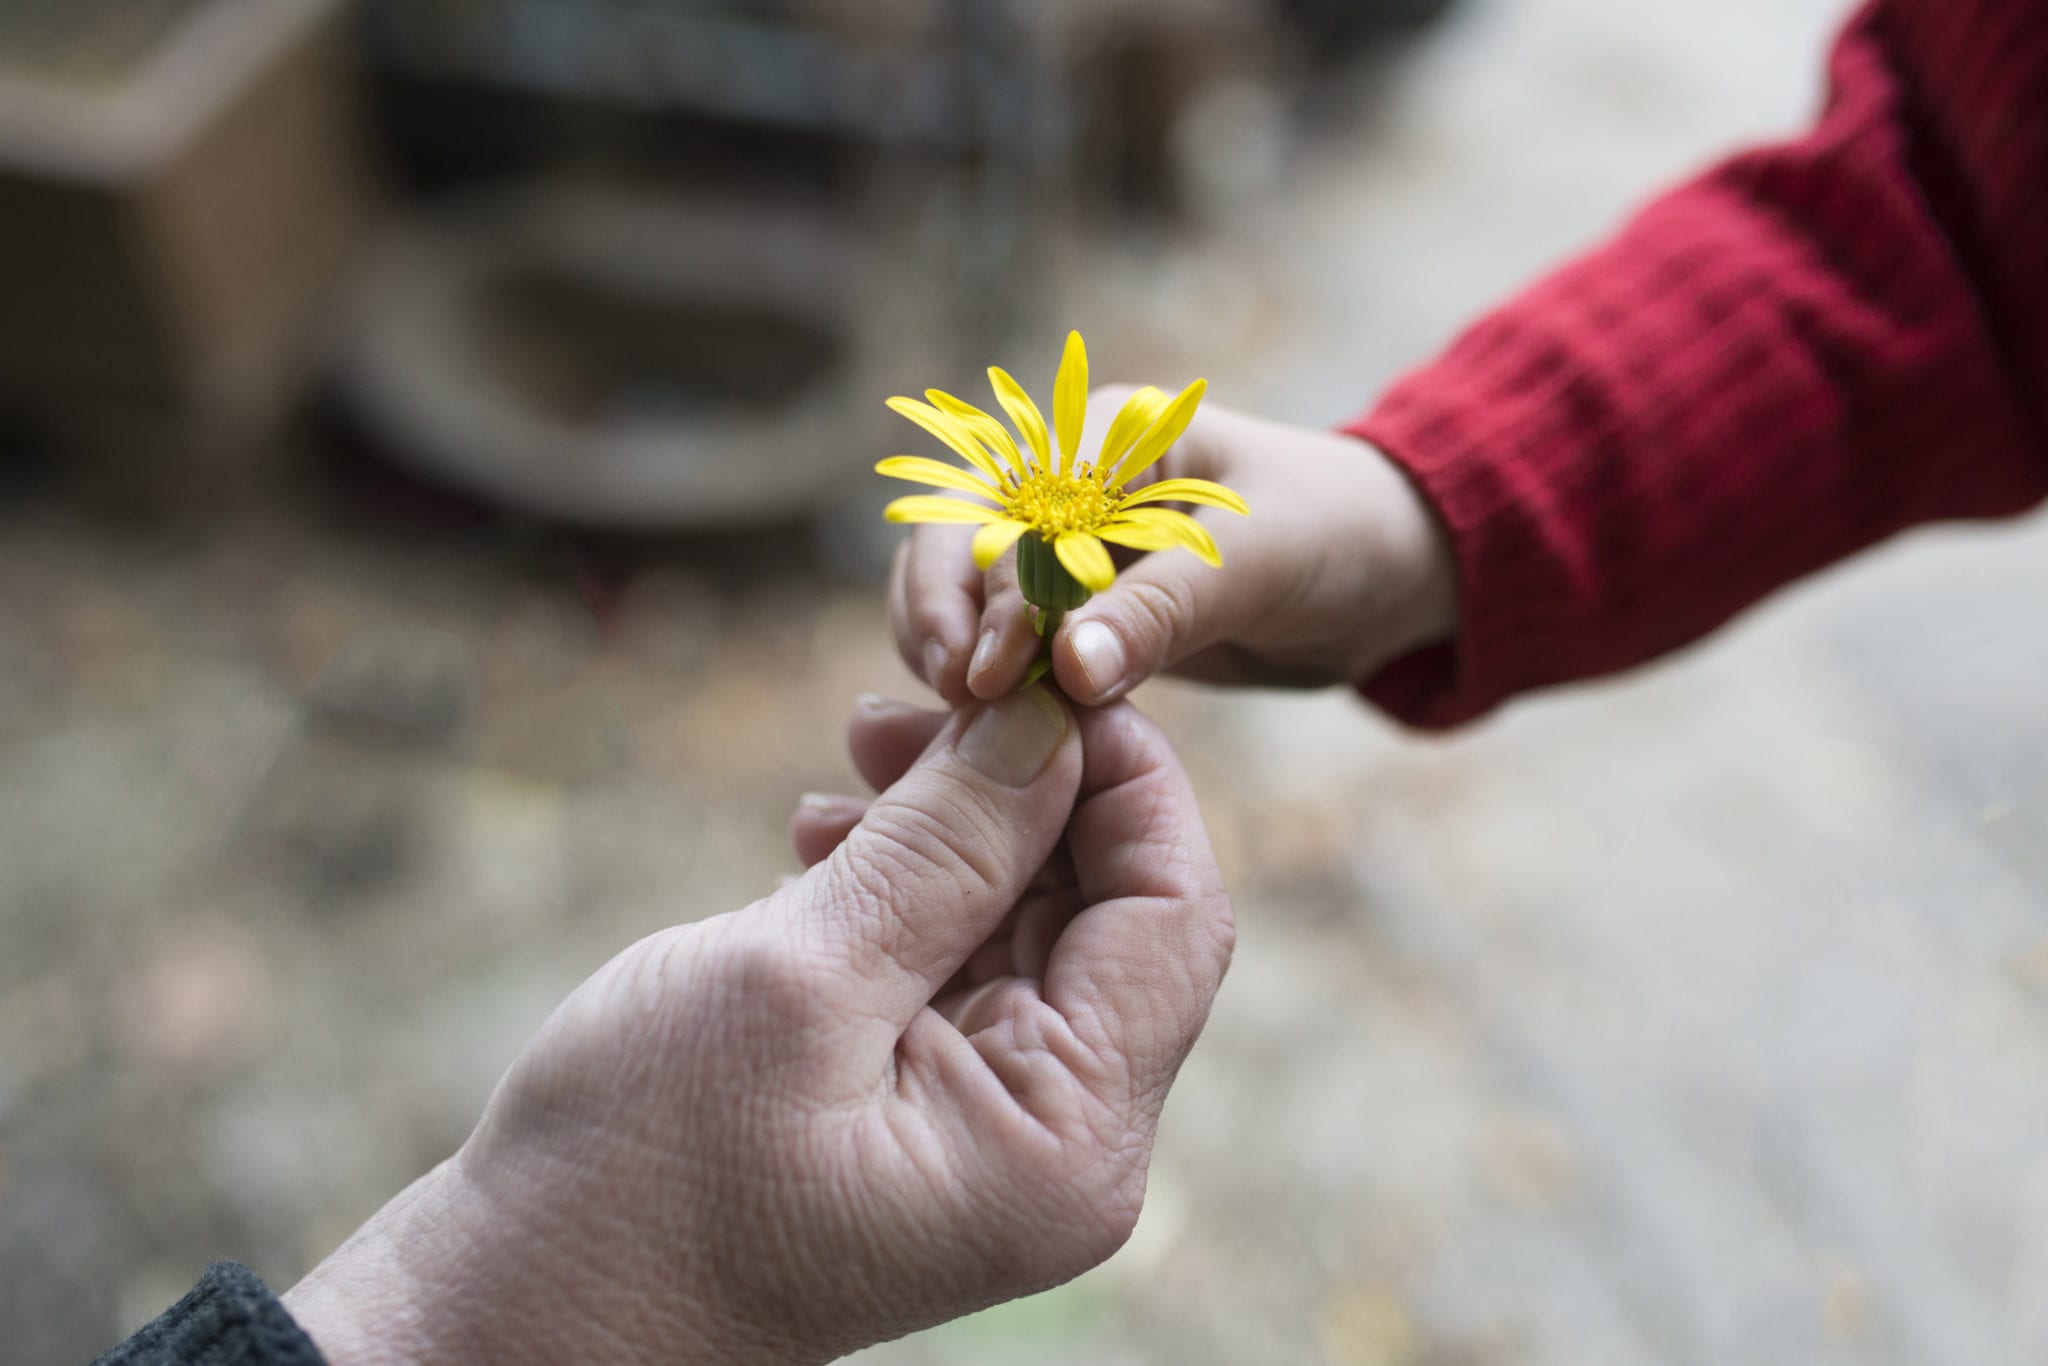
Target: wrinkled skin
(1339, 569)
(920, 1079)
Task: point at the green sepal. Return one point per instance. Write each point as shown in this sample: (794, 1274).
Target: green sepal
(1051, 591)
(1043, 580)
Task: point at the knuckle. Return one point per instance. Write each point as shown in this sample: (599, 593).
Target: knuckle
(927, 848)
(1001, 577)
(1161, 610)
(765, 977)
(928, 617)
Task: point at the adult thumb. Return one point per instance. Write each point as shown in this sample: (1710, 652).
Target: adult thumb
(944, 853)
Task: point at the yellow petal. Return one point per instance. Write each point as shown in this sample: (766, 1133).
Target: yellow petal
(948, 431)
(1180, 529)
(980, 426)
(992, 540)
(1087, 559)
(1070, 400)
(1139, 412)
(1163, 433)
(1189, 491)
(930, 507)
(1023, 412)
(919, 470)
(1138, 536)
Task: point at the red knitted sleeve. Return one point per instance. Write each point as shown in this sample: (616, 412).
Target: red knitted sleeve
(1808, 349)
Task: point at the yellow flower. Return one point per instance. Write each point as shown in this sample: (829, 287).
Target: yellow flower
(1071, 504)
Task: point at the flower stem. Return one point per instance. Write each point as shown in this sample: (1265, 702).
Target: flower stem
(1047, 586)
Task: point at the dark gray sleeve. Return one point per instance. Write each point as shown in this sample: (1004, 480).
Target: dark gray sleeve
(229, 1319)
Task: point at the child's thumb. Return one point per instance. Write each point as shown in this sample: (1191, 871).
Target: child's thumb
(1157, 613)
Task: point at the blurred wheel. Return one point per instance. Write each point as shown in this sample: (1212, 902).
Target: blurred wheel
(617, 361)
(1343, 25)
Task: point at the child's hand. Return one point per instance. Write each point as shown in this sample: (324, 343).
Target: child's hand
(1339, 569)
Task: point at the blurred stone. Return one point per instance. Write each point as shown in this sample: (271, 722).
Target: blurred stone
(1845, 1300)
(198, 1000)
(2018, 832)
(409, 684)
(44, 1032)
(342, 821)
(108, 644)
(572, 737)
(1530, 1163)
(2030, 965)
(1370, 1327)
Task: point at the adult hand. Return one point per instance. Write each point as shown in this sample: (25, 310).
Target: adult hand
(1340, 569)
(794, 1130)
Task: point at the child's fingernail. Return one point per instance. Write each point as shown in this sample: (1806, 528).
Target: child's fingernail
(1015, 736)
(1100, 654)
(984, 655)
(934, 662)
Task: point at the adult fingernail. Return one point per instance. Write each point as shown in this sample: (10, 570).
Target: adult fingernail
(1014, 737)
(984, 655)
(875, 702)
(1100, 654)
(830, 804)
(934, 662)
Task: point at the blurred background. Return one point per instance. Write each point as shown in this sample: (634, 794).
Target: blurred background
(437, 548)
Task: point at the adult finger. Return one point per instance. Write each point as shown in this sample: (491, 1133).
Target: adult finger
(1135, 973)
(943, 854)
(820, 822)
(935, 604)
(884, 737)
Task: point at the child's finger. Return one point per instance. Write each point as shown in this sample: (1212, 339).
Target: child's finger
(1007, 643)
(939, 604)
(899, 606)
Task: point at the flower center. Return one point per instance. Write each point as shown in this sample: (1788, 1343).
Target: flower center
(1054, 503)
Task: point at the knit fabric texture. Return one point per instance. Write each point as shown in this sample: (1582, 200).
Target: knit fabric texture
(1807, 349)
(229, 1319)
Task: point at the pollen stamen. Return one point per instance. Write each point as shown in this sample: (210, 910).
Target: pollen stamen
(1052, 504)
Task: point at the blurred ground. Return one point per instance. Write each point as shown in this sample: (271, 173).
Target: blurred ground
(1700, 1017)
